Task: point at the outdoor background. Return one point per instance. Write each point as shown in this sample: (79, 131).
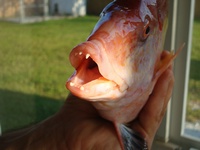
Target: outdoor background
(34, 67)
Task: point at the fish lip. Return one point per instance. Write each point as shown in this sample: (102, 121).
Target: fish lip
(84, 53)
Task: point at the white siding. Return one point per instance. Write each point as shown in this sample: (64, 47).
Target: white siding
(68, 7)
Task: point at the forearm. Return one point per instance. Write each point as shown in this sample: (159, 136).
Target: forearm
(44, 135)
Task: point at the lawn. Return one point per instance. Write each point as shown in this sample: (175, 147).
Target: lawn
(34, 68)
(193, 107)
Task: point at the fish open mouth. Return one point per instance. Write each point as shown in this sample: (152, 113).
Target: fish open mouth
(85, 74)
(90, 80)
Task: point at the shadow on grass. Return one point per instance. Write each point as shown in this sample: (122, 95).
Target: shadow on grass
(18, 109)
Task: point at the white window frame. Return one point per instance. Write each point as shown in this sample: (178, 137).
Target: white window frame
(170, 134)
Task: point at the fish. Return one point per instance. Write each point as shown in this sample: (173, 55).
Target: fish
(118, 65)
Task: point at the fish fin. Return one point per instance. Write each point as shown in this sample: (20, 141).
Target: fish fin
(129, 139)
(165, 61)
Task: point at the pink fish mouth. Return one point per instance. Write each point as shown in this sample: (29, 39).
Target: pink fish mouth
(94, 77)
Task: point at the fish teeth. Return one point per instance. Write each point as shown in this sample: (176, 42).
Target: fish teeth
(87, 56)
(80, 53)
(72, 84)
(82, 88)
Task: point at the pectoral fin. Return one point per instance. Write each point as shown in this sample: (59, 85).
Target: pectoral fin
(129, 139)
(165, 61)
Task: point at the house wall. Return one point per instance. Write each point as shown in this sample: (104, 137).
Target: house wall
(11, 8)
(34, 7)
(68, 7)
(94, 7)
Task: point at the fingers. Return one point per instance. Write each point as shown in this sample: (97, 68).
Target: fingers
(157, 103)
(151, 115)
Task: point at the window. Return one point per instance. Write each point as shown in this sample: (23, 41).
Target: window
(174, 129)
(191, 128)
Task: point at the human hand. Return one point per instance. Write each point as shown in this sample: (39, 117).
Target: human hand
(97, 133)
(77, 126)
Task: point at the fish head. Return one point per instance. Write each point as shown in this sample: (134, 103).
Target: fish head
(120, 55)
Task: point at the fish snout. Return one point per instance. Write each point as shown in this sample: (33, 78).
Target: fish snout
(94, 76)
(84, 51)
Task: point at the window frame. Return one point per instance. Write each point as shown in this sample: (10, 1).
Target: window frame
(181, 18)
(184, 31)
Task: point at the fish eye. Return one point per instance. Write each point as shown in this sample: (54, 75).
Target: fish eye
(146, 32)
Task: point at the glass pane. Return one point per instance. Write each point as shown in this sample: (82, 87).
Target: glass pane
(192, 125)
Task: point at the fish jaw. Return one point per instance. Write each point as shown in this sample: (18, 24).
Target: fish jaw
(92, 80)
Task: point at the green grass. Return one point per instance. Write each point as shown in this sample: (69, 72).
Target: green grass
(34, 67)
(193, 107)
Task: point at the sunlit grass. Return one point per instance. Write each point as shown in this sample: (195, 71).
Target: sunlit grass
(34, 57)
(34, 67)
